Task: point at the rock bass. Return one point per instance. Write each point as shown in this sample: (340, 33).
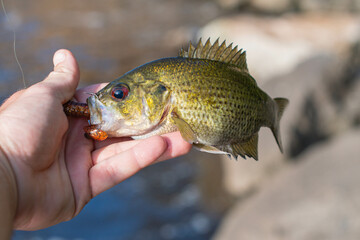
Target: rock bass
(206, 93)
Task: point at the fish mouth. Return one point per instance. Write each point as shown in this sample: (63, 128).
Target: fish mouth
(111, 122)
(94, 108)
(99, 114)
(105, 118)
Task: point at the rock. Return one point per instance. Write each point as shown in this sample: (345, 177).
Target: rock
(329, 107)
(316, 198)
(273, 6)
(276, 45)
(305, 120)
(352, 106)
(243, 177)
(324, 95)
(344, 91)
(329, 5)
(211, 182)
(307, 70)
(230, 4)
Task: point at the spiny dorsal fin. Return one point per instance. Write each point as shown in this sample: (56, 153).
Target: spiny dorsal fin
(216, 52)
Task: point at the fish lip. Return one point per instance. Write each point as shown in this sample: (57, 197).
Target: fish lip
(95, 110)
(101, 116)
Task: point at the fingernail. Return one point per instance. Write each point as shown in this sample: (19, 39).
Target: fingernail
(59, 57)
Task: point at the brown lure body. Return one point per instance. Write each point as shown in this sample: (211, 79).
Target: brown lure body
(76, 109)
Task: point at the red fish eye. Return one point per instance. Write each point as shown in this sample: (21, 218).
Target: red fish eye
(120, 92)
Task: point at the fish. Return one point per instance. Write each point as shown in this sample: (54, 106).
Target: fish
(206, 93)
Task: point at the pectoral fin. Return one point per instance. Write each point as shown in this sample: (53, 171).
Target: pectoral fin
(248, 148)
(186, 131)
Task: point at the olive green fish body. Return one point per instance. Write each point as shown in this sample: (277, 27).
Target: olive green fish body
(208, 96)
(220, 103)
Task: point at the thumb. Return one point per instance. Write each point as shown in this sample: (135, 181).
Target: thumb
(65, 77)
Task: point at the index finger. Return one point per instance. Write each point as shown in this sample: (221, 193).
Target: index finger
(115, 169)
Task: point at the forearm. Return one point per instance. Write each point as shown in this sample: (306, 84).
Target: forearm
(8, 198)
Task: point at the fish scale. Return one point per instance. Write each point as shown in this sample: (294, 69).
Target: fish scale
(206, 93)
(228, 113)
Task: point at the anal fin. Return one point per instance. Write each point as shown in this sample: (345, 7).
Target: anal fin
(248, 148)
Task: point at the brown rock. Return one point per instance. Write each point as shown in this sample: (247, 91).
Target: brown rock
(273, 6)
(242, 177)
(324, 101)
(329, 5)
(275, 54)
(305, 119)
(317, 198)
(276, 45)
(229, 4)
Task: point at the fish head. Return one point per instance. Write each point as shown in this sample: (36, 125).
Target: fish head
(129, 106)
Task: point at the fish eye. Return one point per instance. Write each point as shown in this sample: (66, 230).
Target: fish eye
(120, 91)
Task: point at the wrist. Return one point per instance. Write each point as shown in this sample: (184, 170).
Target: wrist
(8, 197)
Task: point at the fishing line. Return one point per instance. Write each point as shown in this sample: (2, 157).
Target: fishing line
(14, 43)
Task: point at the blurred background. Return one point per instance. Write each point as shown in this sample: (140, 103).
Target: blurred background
(305, 50)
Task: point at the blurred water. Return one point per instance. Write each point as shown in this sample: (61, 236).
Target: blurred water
(107, 37)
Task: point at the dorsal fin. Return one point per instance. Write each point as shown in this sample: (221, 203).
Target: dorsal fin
(216, 52)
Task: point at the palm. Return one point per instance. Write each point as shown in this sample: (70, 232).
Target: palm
(44, 161)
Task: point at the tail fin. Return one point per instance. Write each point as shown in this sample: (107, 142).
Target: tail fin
(281, 104)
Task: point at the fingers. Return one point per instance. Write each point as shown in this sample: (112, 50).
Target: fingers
(65, 77)
(176, 146)
(112, 148)
(115, 169)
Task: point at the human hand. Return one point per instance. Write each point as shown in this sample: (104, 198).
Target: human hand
(54, 168)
